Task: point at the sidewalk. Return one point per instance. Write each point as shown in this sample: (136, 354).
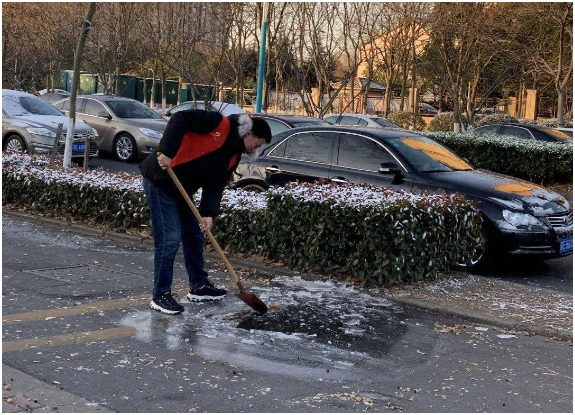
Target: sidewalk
(495, 302)
(498, 303)
(24, 393)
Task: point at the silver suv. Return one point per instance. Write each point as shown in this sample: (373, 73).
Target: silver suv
(30, 124)
(128, 129)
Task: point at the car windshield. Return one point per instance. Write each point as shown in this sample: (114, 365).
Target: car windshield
(384, 123)
(16, 105)
(427, 156)
(131, 109)
(562, 135)
(309, 123)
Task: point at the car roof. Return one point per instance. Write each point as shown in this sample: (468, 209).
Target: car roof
(373, 132)
(8, 92)
(287, 117)
(362, 116)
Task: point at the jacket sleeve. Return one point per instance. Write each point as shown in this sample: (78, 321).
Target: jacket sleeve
(211, 199)
(182, 122)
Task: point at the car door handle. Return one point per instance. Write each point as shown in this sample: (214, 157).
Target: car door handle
(273, 170)
(340, 180)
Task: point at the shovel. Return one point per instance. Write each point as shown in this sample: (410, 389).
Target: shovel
(249, 298)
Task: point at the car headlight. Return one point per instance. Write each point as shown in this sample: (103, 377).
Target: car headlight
(520, 219)
(94, 132)
(41, 131)
(150, 133)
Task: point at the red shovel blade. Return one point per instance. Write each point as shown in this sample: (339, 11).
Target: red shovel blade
(253, 301)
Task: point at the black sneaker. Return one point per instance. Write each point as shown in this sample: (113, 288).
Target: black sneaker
(166, 304)
(206, 293)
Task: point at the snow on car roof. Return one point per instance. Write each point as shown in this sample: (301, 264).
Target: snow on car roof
(8, 92)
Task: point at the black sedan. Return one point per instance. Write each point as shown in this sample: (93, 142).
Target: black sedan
(529, 132)
(280, 122)
(519, 217)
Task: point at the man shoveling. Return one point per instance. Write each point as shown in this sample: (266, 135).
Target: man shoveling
(204, 148)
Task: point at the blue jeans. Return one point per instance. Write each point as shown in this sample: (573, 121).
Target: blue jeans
(173, 222)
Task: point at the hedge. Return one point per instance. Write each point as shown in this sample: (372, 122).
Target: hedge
(532, 160)
(377, 235)
(405, 120)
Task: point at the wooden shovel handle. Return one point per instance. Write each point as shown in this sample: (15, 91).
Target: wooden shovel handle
(210, 236)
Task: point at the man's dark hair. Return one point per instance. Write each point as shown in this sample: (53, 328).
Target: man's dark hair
(262, 129)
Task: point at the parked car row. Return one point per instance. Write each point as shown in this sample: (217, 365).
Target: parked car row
(31, 124)
(520, 218)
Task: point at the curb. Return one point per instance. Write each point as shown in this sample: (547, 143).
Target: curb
(271, 271)
(45, 394)
(481, 318)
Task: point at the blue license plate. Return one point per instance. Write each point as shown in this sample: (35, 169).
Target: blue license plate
(78, 147)
(565, 244)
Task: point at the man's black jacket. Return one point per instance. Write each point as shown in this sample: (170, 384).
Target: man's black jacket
(210, 171)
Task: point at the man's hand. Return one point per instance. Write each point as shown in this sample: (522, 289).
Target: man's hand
(164, 161)
(206, 224)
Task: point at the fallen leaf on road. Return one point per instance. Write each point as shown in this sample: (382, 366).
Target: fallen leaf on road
(9, 400)
(73, 354)
(192, 354)
(7, 387)
(56, 382)
(274, 306)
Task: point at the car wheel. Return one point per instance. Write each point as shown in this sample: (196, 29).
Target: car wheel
(14, 144)
(125, 147)
(482, 260)
(254, 187)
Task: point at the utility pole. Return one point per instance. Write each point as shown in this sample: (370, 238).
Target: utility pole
(262, 63)
(75, 83)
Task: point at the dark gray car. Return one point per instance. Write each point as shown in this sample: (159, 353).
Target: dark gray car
(128, 129)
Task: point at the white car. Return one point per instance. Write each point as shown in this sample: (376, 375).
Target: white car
(223, 107)
(361, 120)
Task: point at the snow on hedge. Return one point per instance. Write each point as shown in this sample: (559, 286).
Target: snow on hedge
(25, 166)
(357, 195)
(502, 140)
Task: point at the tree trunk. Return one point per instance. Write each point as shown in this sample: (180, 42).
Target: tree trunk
(440, 109)
(163, 87)
(561, 106)
(179, 101)
(75, 84)
(117, 82)
(153, 93)
(403, 84)
(386, 95)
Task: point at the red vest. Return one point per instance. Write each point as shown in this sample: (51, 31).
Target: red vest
(194, 145)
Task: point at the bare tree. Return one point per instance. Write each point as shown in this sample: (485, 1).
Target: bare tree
(75, 83)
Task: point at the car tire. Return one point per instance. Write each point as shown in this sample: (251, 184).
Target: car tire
(14, 144)
(254, 187)
(484, 262)
(125, 148)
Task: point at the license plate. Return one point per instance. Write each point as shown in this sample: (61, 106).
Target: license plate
(78, 146)
(565, 244)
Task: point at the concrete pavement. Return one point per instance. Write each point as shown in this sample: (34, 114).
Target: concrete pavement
(75, 315)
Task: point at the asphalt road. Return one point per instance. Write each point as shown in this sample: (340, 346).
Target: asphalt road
(556, 274)
(75, 315)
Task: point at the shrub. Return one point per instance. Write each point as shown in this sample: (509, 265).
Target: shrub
(554, 123)
(378, 235)
(406, 119)
(497, 119)
(445, 121)
(533, 160)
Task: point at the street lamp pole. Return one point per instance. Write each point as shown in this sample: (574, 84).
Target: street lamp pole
(262, 63)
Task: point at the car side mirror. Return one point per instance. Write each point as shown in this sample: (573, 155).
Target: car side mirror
(104, 114)
(389, 168)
